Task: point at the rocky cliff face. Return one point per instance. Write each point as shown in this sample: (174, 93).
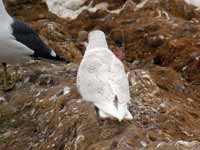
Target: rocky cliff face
(159, 41)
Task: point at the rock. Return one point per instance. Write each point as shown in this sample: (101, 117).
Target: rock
(142, 82)
(155, 41)
(82, 36)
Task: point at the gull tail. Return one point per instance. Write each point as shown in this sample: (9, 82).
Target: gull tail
(49, 55)
(128, 115)
(107, 110)
(124, 112)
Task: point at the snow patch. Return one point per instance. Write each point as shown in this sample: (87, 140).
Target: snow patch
(67, 8)
(193, 2)
(73, 8)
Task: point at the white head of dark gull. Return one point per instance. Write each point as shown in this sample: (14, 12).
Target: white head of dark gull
(102, 80)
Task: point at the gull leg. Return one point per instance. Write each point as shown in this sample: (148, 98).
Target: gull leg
(17, 76)
(5, 78)
(6, 84)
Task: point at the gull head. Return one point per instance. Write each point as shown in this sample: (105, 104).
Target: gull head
(97, 39)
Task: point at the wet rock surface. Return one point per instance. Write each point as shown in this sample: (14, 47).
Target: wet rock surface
(159, 42)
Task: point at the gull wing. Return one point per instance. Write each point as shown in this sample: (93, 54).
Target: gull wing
(12, 51)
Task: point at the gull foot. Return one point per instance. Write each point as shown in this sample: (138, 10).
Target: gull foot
(7, 85)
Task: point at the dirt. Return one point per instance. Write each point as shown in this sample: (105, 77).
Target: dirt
(161, 51)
